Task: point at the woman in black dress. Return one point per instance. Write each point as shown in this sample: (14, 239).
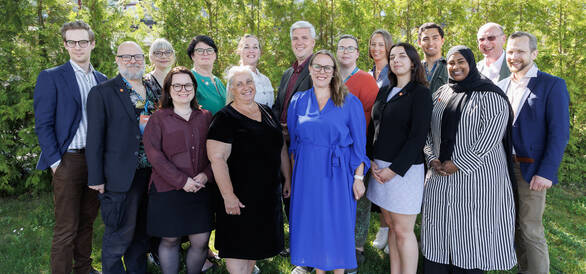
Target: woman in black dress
(179, 203)
(247, 149)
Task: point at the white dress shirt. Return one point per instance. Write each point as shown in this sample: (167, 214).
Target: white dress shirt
(264, 89)
(493, 71)
(517, 91)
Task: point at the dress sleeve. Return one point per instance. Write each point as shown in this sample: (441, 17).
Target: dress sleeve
(292, 122)
(357, 126)
(166, 169)
(494, 116)
(221, 128)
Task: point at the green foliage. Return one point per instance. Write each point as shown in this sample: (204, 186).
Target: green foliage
(32, 42)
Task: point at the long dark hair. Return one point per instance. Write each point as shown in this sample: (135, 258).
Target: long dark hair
(166, 101)
(417, 72)
(337, 88)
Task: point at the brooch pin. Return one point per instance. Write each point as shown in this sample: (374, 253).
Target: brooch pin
(121, 90)
(400, 94)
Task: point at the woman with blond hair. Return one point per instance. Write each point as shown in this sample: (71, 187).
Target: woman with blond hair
(249, 50)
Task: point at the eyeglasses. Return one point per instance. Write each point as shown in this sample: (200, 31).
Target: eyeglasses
(208, 51)
(128, 57)
(81, 43)
(489, 38)
(326, 68)
(178, 87)
(349, 49)
(167, 53)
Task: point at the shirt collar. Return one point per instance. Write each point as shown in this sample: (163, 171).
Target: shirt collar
(297, 67)
(531, 73)
(76, 67)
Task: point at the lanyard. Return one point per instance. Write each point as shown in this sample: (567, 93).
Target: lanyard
(146, 102)
(429, 74)
(351, 74)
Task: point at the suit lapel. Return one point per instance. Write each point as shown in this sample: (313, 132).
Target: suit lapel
(304, 74)
(70, 80)
(123, 94)
(504, 72)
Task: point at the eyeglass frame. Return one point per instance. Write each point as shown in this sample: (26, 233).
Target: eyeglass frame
(77, 43)
(128, 57)
(182, 87)
(208, 51)
(166, 53)
(348, 49)
(320, 68)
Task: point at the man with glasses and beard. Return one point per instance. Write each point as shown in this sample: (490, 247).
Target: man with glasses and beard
(491, 39)
(61, 126)
(118, 111)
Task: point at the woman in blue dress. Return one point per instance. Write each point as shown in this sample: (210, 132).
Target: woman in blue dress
(327, 130)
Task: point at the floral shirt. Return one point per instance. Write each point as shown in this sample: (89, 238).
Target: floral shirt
(143, 109)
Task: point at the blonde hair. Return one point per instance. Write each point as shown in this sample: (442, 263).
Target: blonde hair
(229, 74)
(241, 44)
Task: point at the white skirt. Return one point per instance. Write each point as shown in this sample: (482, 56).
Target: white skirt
(402, 195)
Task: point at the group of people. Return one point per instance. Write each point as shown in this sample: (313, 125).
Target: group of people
(171, 155)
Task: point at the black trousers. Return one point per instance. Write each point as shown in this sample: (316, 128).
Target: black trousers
(430, 267)
(124, 215)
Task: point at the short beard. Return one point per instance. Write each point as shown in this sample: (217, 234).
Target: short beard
(131, 76)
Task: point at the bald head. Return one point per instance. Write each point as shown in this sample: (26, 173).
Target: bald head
(129, 47)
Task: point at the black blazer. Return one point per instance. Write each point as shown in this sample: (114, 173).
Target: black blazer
(399, 127)
(113, 136)
(303, 83)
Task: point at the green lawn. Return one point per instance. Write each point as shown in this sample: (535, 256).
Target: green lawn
(26, 226)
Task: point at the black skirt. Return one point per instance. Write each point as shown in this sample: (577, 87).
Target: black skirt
(177, 213)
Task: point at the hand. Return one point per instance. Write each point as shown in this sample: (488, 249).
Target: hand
(191, 185)
(285, 129)
(99, 188)
(449, 167)
(287, 189)
(232, 204)
(201, 178)
(358, 189)
(384, 175)
(437, 166)
(539, 183)
(373, 168)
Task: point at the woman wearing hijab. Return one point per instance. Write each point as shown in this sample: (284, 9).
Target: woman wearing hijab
(468, 222)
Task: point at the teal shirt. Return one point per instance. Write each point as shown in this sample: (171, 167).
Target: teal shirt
(211, 97)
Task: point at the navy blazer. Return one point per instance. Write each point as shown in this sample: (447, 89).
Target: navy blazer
(57, 105)
(113, 136)
(399, 127)
(542, 128)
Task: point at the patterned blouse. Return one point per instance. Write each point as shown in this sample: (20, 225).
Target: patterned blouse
(143, 108)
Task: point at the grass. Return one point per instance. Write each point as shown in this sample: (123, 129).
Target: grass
(26, 225)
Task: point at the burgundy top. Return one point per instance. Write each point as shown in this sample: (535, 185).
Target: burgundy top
(297, 68)
(176, 148)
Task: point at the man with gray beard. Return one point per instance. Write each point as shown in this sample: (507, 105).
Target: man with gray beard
(118, 110)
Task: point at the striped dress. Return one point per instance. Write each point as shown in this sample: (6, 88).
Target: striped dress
(469, 216)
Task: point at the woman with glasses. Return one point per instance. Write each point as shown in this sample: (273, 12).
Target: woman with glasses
(179, 202)
(248, 155)
(211, 92)
(162, 57)
(327, 130)
(249, 51)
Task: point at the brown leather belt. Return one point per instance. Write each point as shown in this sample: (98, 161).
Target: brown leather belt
(523, 159)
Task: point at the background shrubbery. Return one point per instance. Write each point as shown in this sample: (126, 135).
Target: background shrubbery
(31, 42)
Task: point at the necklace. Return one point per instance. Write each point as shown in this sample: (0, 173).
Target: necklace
(253, 114)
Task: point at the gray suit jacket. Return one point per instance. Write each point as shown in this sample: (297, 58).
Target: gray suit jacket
(303, 83)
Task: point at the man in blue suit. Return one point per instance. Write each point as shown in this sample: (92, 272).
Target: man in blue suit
(541, 131)
(61, 126)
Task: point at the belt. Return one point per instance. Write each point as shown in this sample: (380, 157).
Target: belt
(76, 150)
(523, 159)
